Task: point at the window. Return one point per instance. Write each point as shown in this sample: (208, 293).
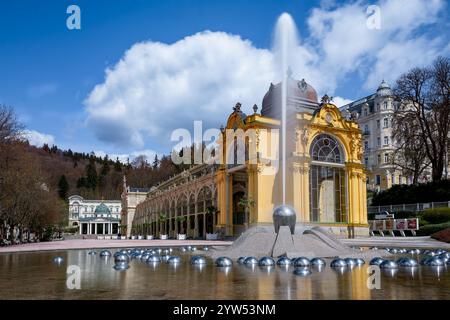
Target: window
(378, 124)
(325, 149)
(366, 129)
(386, 158)
(327, 181)
(379, 141)
(366, 161)
(365, 112)
(386, 140)
(378, 180)
(366, 145)
(385, 105)
(379, 159)
(385, 123)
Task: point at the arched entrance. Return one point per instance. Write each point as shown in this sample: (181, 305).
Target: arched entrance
(327, 181)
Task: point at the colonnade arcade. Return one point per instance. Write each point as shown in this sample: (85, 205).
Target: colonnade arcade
(185, 205)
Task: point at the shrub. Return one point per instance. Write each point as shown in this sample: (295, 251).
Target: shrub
(432, 228)
(420, 193)
(437, 215)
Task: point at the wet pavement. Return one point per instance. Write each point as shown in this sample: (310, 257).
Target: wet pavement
(36, 276)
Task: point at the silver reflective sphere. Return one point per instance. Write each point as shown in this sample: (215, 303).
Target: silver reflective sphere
(121, 258)
(166, 251)
(165, 257)
(284, 216)
(266, 261)
(194, 249)
(105, 253)
(251, 260)
(301, 262)
(302, 271)
(154, 259)
(393, 251)
(241, 260)
(174, 260)
(436, 262)
(360, 262)
(374, 248)
(188, 248)
(145, 256)
(183, 249)
(389, 264)
(58, 260)
(338, 263)
(444, 256)
(224, 262)
(198, 260)
(159, 250)
(121, 266)
(205, 248)
(318, 262)
(407, 263)
(350, 262)
(92, 252)
(284, 261)
(376, 261)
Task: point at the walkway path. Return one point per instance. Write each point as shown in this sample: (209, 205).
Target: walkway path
(97, 244)
(402, 242)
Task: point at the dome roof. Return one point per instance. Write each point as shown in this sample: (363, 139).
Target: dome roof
(102, 208)
(384, 89)
(301, 97)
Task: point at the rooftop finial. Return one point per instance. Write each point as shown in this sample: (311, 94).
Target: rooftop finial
(255, 108)
(325, 99)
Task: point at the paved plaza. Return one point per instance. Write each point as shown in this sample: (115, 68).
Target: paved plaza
(97, 244)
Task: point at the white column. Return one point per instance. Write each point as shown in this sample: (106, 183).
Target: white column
(88, 228)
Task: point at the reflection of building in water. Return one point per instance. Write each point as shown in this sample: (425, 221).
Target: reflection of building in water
(94, 216)
(325, 177)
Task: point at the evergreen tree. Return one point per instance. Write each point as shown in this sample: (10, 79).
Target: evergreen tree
(91, 174)
(117, 166)
(155, 162)
(63, 187)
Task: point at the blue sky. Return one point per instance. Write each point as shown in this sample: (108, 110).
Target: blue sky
(49, 73)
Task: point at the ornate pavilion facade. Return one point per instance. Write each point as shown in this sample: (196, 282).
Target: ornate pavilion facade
(325, 180)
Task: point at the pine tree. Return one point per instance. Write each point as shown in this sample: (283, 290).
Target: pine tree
(91, 174)
(155, 162)
(63, 187)
(117, 166)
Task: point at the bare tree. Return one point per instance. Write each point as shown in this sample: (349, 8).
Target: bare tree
(10, 127)
(423, 95)
(409, 155)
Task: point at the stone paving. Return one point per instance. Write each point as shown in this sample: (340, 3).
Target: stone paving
(98, 244)
(403, 242)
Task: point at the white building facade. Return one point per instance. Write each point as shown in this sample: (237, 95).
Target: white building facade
(374, 115)
(95, 217)
(131, 197)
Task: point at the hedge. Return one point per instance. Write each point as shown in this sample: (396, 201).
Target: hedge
(432, 228)
(438, 191)
(436, 216)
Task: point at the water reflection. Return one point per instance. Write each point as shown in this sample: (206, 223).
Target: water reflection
(100, 280)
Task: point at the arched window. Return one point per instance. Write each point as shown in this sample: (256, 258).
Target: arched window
(327, 179)
(324, 148)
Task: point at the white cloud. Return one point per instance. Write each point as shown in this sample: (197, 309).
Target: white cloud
(156, 87)
(38, 139)
(124, 157)
(339, 101)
